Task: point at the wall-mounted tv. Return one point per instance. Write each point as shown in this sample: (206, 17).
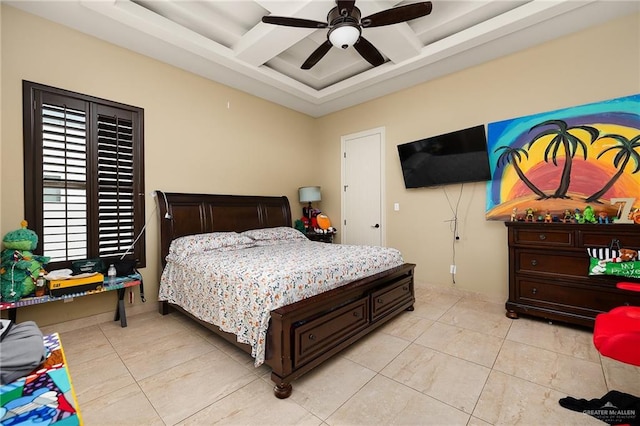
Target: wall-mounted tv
(455, 157)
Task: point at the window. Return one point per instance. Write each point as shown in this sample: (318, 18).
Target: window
(83, 174)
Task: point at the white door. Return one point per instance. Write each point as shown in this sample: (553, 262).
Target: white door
(362, 188)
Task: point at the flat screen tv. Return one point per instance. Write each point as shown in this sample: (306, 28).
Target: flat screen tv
(455, 157)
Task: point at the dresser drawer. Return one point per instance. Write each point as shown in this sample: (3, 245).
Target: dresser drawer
(388, 299)
(548, 262)
(544, 237)
(599, 237)
(314, 337)
(584, 300)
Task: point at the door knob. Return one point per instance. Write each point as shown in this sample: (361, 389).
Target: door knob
(377, 225)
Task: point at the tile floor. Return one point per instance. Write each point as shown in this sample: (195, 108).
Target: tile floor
(454, 360)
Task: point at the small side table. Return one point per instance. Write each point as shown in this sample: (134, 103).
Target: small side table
(323, 238)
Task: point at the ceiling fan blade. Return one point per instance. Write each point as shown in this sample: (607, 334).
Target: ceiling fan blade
(293, 22)
(316, 55)
(348, 5)
(397, 14)
(368, 52)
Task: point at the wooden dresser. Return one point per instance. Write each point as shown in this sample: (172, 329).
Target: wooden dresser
(548, 270)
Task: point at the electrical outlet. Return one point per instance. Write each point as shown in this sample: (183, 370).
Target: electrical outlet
(452, 269)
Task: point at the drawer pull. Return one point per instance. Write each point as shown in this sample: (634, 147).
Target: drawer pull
(380, 301)
(534, 290)
(356, 314)
(405, 288)
(543, 237)
(312, 337)
(534, 262)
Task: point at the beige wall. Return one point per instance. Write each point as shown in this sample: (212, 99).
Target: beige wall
(194, 143)
(1, 115)
(594, 65)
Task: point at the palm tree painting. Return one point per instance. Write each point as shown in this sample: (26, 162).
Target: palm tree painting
(565, 160)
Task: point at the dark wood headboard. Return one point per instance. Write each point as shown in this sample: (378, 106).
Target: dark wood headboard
(188, 214)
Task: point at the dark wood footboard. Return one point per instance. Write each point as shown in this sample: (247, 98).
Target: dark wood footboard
(307, 333)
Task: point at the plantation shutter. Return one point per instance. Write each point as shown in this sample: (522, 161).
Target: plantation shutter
(84, 169)
(64, 179)
(116, 193)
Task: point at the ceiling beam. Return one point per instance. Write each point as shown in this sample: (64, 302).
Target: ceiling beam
(397, 42)
(266, 41)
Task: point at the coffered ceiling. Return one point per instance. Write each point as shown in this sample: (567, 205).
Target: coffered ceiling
(226, 41)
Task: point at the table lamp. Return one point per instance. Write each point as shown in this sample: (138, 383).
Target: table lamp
(308, 194)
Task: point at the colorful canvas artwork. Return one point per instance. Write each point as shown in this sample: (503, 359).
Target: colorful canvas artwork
(555, 166)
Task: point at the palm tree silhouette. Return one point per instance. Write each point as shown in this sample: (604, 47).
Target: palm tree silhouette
(513, 156)
(570, 143)
(626, 152)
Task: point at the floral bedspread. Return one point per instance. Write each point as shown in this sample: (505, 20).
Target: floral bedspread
(237, 289)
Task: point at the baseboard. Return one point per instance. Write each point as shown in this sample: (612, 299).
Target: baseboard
(106, 317)
(449, 289)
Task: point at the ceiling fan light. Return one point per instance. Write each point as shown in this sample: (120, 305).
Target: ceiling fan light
(344, 36)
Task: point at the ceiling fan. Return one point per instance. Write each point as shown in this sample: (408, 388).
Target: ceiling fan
(345, 28)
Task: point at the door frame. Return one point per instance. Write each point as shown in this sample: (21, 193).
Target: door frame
(343, 140)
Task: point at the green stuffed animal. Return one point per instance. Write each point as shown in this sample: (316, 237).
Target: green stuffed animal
(19, 268)
(589, 215)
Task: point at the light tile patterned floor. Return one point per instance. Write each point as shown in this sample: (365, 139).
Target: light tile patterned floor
(454, 360)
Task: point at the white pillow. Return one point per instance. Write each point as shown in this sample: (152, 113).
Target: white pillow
(200, 243)
(268, 236)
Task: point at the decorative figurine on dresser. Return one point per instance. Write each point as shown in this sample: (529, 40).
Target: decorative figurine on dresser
(549, 270)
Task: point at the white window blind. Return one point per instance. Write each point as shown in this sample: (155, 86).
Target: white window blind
(64, 182)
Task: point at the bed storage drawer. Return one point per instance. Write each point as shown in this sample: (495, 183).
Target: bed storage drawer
(387, 300)
(314, 337)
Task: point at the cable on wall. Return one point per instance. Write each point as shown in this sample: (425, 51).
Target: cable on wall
(144, 227)
(141, 231)
(454, 228)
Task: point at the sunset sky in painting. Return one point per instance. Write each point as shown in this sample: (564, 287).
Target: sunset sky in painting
(617, 116)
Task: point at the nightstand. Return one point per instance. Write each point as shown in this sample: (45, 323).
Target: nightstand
(323, 238)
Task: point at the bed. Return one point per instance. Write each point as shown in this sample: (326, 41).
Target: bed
(300, 335)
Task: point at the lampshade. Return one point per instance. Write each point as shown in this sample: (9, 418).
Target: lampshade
(309, 194)
(344, 36)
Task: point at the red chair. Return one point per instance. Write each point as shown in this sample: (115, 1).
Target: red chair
(616, 333)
